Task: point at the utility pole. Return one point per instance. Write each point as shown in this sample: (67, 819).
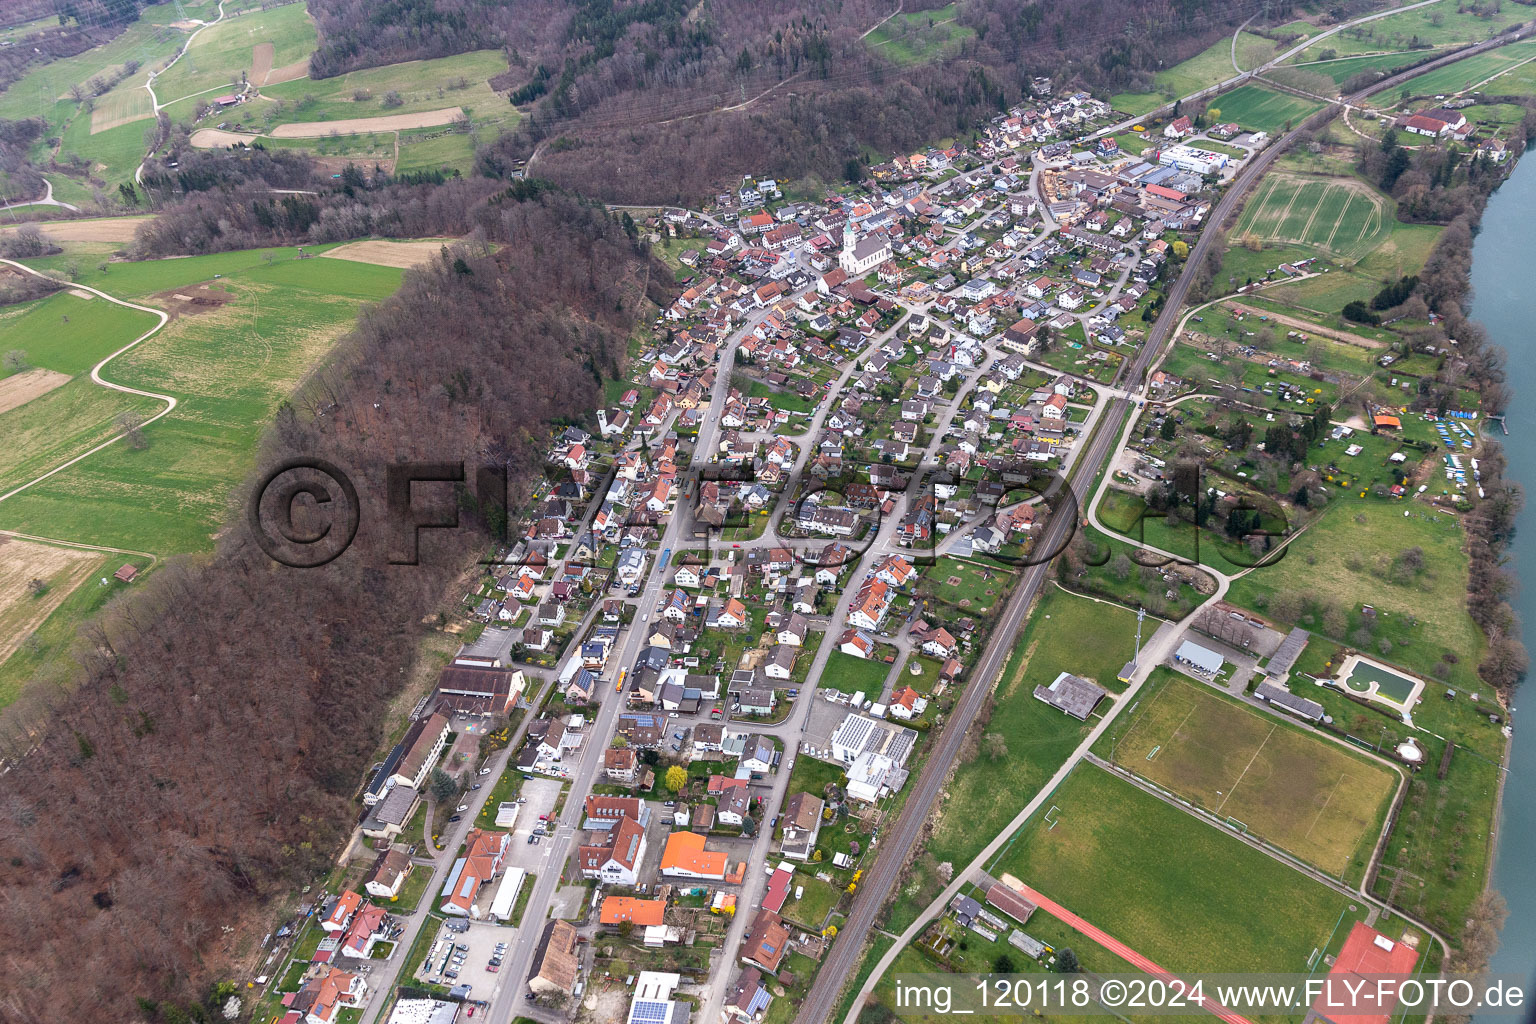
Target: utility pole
(1141, 613)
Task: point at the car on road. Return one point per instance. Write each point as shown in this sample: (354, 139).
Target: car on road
(671, 714)
(669, 803)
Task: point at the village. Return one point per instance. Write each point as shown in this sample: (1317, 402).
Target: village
(694, 683)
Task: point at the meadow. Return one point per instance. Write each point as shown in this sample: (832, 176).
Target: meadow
(1471, 71)
(229, 367)
(459, 81)
(1345, 557)
(1308, 796)
(1205, 69)
(1155, 877)
(1437, 25)
(1256, 108)
(1342, 69)
(918, 36)
(219, 54)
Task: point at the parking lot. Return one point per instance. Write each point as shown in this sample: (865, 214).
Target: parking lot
(477, 947)
(540, 795)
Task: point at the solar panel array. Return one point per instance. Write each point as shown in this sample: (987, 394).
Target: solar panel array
(646, 1012)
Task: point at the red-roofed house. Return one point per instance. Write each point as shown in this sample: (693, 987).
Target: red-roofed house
(778, 888)
(321, 998)
(366, 929)
(341, 912)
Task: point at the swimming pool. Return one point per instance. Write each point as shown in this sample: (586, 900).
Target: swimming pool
(1398, 689)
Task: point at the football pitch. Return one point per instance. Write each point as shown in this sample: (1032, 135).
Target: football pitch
(1309, 797)
(1338, 215)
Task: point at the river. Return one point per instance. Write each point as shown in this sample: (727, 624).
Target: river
(1504, 300)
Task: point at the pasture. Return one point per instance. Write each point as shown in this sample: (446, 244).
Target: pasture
(1256, 108)
(229, 366)
(918, 36)
(1308, 796)
(1177, 890)
(1065, 633)
(1336, 215)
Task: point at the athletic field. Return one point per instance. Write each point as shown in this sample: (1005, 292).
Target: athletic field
(1338, 215)
(1304, 794)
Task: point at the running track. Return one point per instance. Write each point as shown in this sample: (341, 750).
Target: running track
(1120, 949)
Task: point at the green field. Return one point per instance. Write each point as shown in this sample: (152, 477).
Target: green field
(854, 675)
(1441, 24)
(229, 367)
(1065, 633)
(919, 36)
(458, 81)
(1340, 216)
(1345, 558)
(219, 54)
(1342, 69)
(1184, 893)
(1256, 108)
(1465, 74)
(1203, 70)
(1308, 796)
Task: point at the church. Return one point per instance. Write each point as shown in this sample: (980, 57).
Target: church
(860, 256)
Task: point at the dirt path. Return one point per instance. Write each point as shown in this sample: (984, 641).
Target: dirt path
(360, 125)
(161, 319)
(20, 388)
(1312, 328)
(261, 63)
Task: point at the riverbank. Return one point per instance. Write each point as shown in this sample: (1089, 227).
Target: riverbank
(1503, 264)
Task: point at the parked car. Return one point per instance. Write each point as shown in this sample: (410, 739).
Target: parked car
(456, 817)
(532, 839)
(485, 771)
(462, 808)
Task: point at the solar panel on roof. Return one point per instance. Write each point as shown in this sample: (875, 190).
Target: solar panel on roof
(649, 1012)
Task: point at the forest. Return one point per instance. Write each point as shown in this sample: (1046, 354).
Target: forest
(624, 97)
(224, 713)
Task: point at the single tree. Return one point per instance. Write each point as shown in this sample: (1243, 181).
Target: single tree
(1066, 961)
(676, 778)
(441, 786)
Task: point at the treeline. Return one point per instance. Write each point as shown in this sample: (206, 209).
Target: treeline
(244, 219)
(205, 757)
